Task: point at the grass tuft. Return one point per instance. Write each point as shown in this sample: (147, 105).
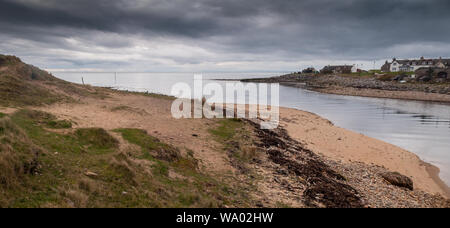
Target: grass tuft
(227, 129)
(45, 119)
(236, 139)
(59, 124)
(121, 108)
(96, 138)
(18, 159)
(151, 146)
(18, 92)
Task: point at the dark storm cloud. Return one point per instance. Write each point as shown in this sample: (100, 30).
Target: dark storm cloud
(283, 30)
(112, 16)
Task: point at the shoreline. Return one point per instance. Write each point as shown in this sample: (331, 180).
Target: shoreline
(396, 159)
(363, 86)
(376, 93)
(444, 99)
(434, 172)
(317, 133)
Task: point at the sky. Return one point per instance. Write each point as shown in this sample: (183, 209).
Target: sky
(221, 35)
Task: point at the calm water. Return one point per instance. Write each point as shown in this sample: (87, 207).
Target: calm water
(420, 127)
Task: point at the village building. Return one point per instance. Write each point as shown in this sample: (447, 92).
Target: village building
(343, 69)
(407, 65)
(309, 70)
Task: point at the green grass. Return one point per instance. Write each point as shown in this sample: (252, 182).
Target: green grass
(2, 115)
(151, 149)
(283, 205)
(159, 96)
(147, 94)
(43, 168)
(96, 138)
(83, 141)
(151, 146)
(235, 138)
(45, 119)
(227, 129)
(18, 157)
(64, 161)
(18, 92)
(59, 124)
(200, 189)
(25, 85)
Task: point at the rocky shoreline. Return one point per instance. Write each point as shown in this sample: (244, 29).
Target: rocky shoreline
(366, 86)
(324, 182)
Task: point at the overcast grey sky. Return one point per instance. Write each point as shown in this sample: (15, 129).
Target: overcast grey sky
(221, 35)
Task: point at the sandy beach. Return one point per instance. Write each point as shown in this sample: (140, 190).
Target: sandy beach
(321, 136)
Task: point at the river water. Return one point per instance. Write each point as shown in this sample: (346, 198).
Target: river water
(420, 127)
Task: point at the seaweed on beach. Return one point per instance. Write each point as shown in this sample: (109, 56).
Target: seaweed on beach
(324, 186)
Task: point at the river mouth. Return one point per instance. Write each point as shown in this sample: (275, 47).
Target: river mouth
(420, 127)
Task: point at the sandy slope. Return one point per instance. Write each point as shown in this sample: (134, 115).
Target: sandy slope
(323, 137)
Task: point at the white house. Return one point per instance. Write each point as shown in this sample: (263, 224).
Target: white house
(407, 65)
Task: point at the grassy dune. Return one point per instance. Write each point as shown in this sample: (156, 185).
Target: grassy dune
(45, 162)
(86, 168)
